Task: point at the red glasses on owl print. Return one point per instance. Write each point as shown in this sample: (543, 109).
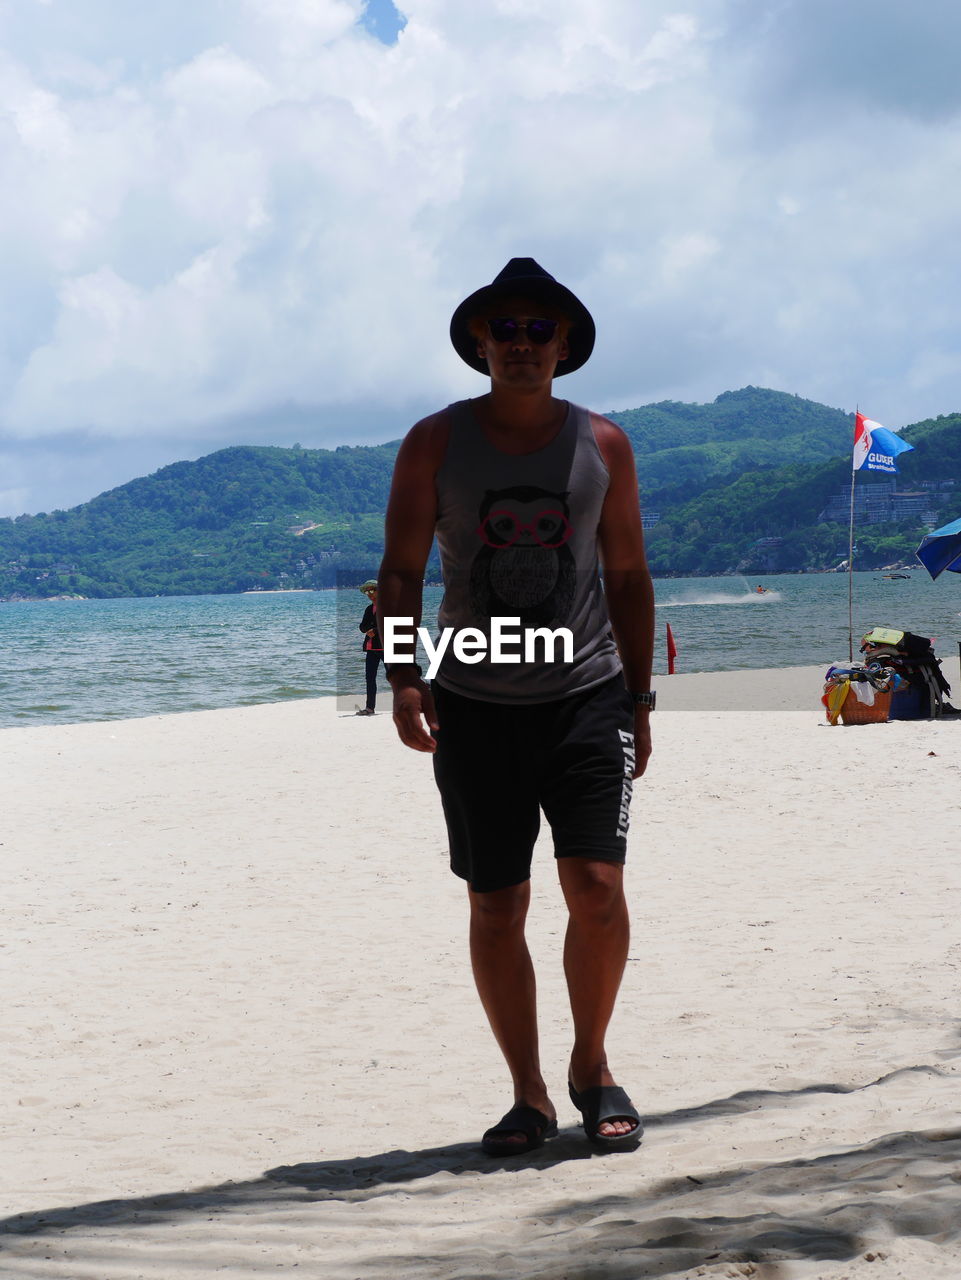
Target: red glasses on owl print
(549, 529)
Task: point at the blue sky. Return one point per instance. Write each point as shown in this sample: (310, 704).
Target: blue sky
(248, 221)
(383, 20)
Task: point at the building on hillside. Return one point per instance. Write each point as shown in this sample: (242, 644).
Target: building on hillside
(881, 502)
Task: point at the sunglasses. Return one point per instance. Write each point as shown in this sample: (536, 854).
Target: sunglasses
(549, 529)
(506, 329)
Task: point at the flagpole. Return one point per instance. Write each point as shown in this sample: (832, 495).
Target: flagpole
(851, 558)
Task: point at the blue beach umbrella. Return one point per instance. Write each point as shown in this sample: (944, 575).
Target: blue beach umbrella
(941, 549)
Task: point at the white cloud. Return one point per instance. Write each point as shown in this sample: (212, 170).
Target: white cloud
(684, 254)
(229, 215)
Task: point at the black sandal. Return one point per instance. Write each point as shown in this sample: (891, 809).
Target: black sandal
(607, 1102)
(533, 1124)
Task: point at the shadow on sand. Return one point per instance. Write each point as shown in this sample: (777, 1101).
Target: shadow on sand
(904, 1184)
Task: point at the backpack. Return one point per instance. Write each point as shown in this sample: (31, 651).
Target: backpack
(923, 696)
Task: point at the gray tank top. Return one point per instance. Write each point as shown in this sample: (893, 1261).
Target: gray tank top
(518, 539)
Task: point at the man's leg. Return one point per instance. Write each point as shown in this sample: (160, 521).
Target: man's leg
(371, 664)
(595, 952)
(492, 817)
(504, 975)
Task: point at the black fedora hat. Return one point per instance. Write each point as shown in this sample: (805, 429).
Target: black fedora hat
(524, 278)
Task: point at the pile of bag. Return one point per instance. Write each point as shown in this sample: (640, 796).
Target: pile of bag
(924, 690)
(859, 693)
(899, 679)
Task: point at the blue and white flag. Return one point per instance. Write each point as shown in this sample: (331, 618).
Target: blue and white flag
(875, 447)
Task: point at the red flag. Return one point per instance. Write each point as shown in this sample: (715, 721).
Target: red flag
(671, 650)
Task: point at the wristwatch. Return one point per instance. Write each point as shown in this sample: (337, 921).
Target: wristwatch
(645, 699)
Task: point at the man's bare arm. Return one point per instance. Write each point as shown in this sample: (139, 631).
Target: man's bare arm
(627, 579)
(408, 534)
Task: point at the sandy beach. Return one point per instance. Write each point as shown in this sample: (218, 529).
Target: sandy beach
(241, 1036)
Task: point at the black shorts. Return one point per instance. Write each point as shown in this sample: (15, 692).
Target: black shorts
(497, 766)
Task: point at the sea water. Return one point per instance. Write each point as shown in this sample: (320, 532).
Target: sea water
(75, 660)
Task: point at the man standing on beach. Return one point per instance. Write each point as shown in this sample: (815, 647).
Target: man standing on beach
(527, 495)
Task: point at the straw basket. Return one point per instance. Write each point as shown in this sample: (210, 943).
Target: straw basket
(855, 712)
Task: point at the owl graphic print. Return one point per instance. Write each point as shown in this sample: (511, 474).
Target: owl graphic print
(524, 567)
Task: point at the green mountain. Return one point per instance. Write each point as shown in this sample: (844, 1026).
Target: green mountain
(765, 521)
(235, 520)
(250, 517)
(682, 449)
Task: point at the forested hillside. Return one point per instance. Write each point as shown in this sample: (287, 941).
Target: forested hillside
(682, 449)
(237, 519)
(767, 520)
(736, 484)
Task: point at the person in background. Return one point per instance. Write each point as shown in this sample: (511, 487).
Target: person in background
(373, 646)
